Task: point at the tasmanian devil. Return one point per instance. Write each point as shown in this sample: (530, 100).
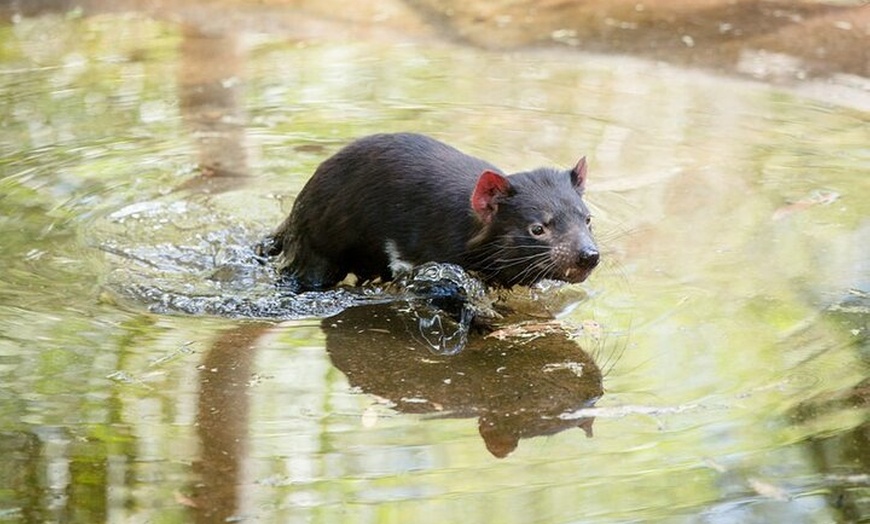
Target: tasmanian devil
(388, 202)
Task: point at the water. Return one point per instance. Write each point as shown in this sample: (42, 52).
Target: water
(713, 369)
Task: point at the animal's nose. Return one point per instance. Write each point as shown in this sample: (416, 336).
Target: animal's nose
(588, 258)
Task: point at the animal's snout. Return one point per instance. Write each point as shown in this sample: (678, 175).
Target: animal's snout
(588, 257)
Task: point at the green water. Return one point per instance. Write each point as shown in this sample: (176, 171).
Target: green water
(729, 315)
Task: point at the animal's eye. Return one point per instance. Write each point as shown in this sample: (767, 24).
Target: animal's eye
(588, 220)
(537, 230)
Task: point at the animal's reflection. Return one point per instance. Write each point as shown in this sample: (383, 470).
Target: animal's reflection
(517, 387)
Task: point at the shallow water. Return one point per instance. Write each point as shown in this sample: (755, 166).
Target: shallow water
(141, 160)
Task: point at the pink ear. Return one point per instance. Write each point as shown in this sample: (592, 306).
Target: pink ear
(578, 175)
(490, 188)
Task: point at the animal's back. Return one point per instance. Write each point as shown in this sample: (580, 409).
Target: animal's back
(382, 203)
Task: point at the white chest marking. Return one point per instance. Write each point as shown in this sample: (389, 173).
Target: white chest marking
(397, 265)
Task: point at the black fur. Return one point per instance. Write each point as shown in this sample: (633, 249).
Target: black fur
(407, 197)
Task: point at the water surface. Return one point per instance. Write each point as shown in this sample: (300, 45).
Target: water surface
(713, 369)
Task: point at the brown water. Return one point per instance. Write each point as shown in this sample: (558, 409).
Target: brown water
(717, 363)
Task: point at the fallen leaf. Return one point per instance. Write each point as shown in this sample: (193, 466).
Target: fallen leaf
(765, 489)
(815, 198)
(184, 500)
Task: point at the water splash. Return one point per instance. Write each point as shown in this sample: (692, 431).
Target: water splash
(182, 257)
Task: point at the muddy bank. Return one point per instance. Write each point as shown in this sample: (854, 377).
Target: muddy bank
(780, 41)
(770, 39)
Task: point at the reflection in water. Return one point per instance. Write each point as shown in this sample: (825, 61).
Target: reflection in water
(210, 96)
(447, 304)
(210, 99)
(517, 388)
(846, 488)
(21, 466)
(222, 422)
(56, 474)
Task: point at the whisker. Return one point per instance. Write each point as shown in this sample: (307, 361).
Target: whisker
(498, 256)
(501, 263)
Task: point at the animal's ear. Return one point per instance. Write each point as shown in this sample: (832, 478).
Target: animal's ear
(578, 175)
(490, 189)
